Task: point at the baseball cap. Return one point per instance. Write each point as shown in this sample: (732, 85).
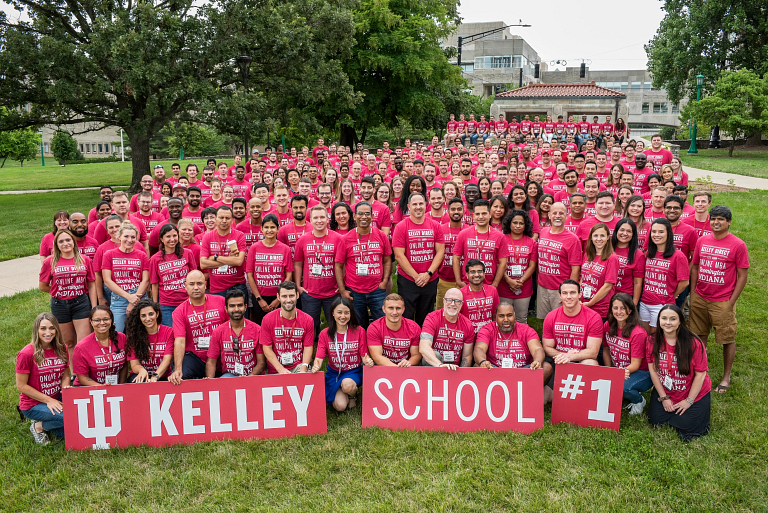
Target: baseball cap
(180, 185)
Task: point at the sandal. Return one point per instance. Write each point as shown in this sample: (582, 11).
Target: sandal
(721, 389)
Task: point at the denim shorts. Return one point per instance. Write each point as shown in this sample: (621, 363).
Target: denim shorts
(68, 310)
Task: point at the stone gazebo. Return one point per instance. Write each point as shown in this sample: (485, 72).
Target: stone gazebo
(561, 99)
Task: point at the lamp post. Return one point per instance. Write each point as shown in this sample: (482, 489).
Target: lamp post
(245, 62)
(461, 40)
(42, 153)
(699, 82)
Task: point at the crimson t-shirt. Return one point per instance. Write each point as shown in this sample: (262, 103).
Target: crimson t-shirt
(346, 351)
(624, 349)
(224, 276)
(160, 345)
(170, 274)
(68, 281)
(513, 345)
(487, 247)
(91, 359)
(196, 323)
(45, 378)
(290, 234)
(557, 253)
(662, 276)
(594, 275)
(269, 266)
(317, 255)
(572, 332)
(521, 253)
(127, 268)
(480, 307)
(222, 347)
(363, 259)
(449, 338)
(395, 345)
(450, 235)
(718, 261)
(681, 383)
(419, 241)
(288, 338)
(252, 233)
(625, 279)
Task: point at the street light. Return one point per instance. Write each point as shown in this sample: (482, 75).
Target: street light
(460, 40)
(699, 82)
(42, 153)
(245, 62)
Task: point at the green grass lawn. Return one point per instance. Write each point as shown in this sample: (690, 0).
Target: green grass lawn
(33, 176)
(559, 468)
(743, 162)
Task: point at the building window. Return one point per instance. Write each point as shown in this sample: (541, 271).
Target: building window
(646, 108)
(503, 61)
(106, 148)
(87, 148)
(46, 148)
(81, 147)
(468, 68)
(636, 86)
(676, 108)
(660, 108)
(647, 86)
(101, 147)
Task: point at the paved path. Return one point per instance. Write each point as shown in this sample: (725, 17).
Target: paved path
(19, 275)
(55, 190)
(748, 182)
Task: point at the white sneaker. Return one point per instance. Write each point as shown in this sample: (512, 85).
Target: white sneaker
(637, 409)
(40, 438)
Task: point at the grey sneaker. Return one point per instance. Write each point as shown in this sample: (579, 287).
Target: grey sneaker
(40, 438)
(637, 409)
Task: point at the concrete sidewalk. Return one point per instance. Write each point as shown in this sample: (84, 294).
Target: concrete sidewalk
(19, 275)
(748, 182)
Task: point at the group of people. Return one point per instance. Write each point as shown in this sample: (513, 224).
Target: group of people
(230, 275)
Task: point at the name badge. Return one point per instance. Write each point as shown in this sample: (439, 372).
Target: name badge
(223, 269)
(239, 369)
(668, 383)
(507, 363)
(516, 270)
(286, 359)
(449, 356)
(316, 270)
(587, 292)
(362, 269)
(203, 342)
(111, 379)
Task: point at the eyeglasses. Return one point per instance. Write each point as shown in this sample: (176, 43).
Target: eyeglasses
(451, 300)
(364, 214)
(476, 272)
(101, 321)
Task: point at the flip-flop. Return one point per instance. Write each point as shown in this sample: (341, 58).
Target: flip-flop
(721, 389)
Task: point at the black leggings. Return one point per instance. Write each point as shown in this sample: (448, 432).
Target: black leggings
(691, 424)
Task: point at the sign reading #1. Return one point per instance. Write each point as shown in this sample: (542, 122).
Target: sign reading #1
(438, 399)
(588, 396)
(159, 414)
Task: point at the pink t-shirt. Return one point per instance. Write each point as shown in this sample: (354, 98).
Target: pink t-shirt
(449, 234)
(224, 276)
(363, 259)
(624, 349)
(419, 241)
(395, 345)
(160, 345)
(288, 338)
(150, 221)
(46, 244)
(658, 158)
(572, 332)
(222, 347)
(702, 228)
(718, 261)
(88, 247)
(317, 255)
(487, 247)
(594, 275)
(513, 345)
(662, 276)
(269, 266)
(382, 217)
(346, 351)
(480, 307)
(557, 253)
(133, 205)
(681, 383)
(684, 236)
(252, 233)
(68, 281)
(101, 235)
(449, 338)
(154, 236)
(170, 274)
(45, 378)
(91, 359)
(521, 253)
(195, 217)
(582, 232)
(290, 234)
(127, 268)
(625, 279)
(196, 323)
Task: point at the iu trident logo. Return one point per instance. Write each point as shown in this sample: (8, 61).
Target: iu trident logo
(99, 431)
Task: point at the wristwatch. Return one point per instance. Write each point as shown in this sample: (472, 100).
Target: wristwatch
(215, 258)
(430, 273)
(258, 298)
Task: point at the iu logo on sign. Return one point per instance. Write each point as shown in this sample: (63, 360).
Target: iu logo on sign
(100, 431)
(588, 395)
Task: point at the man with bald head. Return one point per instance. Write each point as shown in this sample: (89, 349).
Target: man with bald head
(447, 336)
(559, 259)
(193, 323)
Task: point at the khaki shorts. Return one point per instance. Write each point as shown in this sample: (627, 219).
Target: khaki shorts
(443, 287)
(546, 301)
(706, 315)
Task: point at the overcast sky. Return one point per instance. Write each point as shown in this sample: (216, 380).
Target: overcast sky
(611, 37)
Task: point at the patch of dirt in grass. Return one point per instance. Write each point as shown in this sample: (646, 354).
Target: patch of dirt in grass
(713, 187)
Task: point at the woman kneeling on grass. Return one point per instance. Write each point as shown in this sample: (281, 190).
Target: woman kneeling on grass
(344, 342)
(42, 370)
(677, 361)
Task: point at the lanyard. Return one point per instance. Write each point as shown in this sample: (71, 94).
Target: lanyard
(590, 268)
(481, 247)
(343, 349)
(507, 341)
(481, 292)
(205, 311)
(364, 256)
(296, 233)
(319, 247)
(218, 240)
(289, 339)
(448, 329)
(236, 340)
(516, 249)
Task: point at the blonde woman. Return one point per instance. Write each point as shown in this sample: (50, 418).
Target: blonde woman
(125, 271)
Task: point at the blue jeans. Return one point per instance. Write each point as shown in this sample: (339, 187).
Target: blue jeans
(312, 306)
(53, 422)
(107, 294)
(680, 301)
(167, 313)
(118, 306)
(373, 300)
(229, 375)
(639, 381)
(239, 286)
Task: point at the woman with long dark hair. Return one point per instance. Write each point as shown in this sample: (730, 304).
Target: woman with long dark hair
(666, 273)
(542, 208)
(99, 359)
(499, 209)
(149, 343)
(269, 261)
(677, 362)
(42, 371)
(635, 210)
(414, 183)
(631, 259)
(599, 270)
(620, 130)
(168, 269)
(342, 220)
(518, 282)
(484, 183)
(518, 199)
(624, 347)
(344, 343)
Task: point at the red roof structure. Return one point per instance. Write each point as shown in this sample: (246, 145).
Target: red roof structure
(585, 90)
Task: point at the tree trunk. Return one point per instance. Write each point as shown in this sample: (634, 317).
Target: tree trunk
(139, 158)
(3, 164)
(348, 136)
(755, 140)
(730, 148)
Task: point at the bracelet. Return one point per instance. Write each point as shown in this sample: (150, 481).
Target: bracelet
(479, 364)
(662, 399)
(689, 401)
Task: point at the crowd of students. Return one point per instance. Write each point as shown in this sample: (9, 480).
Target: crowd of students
(226, 274)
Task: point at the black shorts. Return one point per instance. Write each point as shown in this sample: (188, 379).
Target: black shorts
(68, 310)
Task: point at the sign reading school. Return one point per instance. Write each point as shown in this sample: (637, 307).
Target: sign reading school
(160, 414)
(438, 399)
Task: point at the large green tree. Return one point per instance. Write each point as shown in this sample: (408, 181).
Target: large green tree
(20, 145)
(137, 65)
(398, 66)
(707, 37)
